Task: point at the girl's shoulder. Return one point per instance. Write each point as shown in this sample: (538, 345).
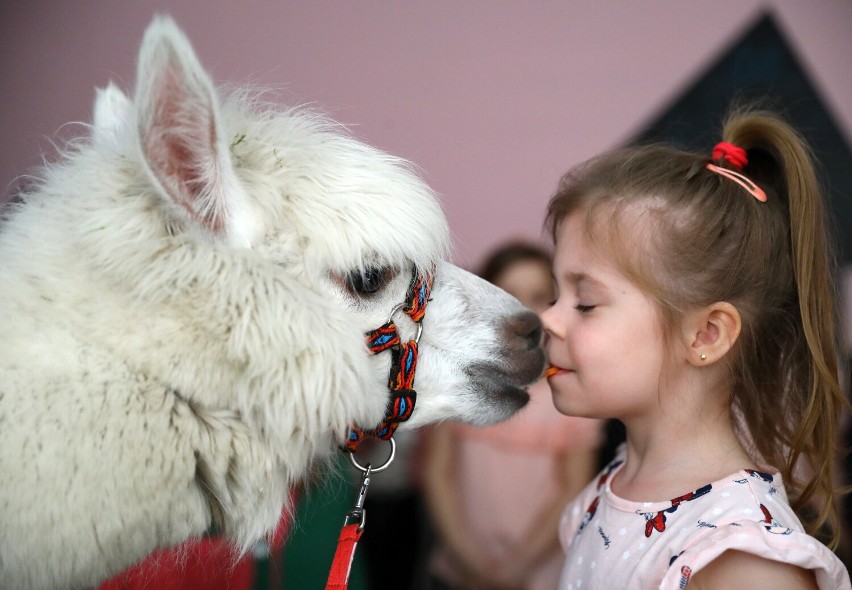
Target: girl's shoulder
(749, 512)
(763, 540)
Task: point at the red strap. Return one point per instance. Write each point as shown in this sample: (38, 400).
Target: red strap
(338, 577)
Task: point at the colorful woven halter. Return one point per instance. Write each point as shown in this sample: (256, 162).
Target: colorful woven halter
(403, 361)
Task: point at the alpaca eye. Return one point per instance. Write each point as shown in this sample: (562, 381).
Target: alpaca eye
(367, 280)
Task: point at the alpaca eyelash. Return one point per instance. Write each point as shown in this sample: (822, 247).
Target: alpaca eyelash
(368, 280)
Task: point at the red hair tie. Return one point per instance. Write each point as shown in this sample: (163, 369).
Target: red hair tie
(734, 155)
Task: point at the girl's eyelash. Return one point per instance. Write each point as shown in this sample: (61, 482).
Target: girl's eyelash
(584, 308)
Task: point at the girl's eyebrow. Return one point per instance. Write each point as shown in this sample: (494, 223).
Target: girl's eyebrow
(579, 278)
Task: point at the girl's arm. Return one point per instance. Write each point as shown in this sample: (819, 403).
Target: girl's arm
(735, 569)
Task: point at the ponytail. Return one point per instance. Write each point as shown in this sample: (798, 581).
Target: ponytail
(812, 399)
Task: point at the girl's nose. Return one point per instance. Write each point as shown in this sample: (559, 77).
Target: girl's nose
(550, 322)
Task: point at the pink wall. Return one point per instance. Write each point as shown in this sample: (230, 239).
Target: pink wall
(492, 99)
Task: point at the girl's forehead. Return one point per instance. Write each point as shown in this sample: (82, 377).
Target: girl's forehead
(580, 260)
(576, 249)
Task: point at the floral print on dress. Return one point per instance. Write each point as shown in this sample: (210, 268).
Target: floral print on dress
(746, 510)
(590, 511)
(658, 521)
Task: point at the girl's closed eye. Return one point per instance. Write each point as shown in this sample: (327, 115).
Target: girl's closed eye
(584, 308)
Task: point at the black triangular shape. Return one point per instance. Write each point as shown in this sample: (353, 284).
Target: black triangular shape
(760, 65)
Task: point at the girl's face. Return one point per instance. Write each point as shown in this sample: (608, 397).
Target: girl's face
(604, 334)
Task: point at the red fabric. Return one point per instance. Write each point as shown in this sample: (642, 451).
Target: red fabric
(734, 155)
(201, 564)
(338, 577)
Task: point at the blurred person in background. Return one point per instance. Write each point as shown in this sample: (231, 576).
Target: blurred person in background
(495, 493)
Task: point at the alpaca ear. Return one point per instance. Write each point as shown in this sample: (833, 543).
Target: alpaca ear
(181, 136)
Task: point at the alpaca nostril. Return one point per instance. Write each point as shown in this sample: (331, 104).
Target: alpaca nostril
(527, 325)
(534, 337)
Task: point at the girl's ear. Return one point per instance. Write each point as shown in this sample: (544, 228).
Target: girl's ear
(711, 332)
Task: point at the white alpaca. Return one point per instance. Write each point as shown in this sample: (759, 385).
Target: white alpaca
(185, 298)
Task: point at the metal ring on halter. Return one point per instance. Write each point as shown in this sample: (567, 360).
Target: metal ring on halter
(419, 324)
(372, 469)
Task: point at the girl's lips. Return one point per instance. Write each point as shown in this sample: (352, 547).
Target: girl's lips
(551, 371)
(554, 370)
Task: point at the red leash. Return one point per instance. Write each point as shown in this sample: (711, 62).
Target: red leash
(353, 525)
(353, 528)
(338, 577)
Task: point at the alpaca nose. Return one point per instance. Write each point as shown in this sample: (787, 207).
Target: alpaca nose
(527, 326)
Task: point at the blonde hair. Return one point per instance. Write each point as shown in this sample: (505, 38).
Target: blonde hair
(690, 237)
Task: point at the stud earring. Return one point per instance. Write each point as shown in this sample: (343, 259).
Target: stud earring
(703, 357)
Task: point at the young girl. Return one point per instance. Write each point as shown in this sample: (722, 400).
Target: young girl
(696, 305)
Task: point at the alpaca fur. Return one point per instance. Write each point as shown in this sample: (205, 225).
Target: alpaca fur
(183, 326)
